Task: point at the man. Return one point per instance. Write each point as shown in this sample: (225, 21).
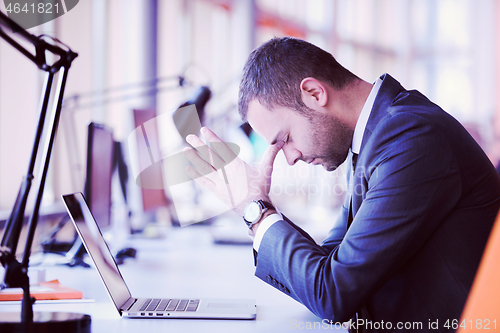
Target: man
(422, 195)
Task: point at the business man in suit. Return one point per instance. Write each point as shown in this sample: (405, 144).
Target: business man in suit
(421, 202)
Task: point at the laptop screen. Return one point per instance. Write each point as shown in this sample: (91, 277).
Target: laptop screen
(97, 248)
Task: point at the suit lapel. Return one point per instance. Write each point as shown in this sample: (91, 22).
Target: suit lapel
(388, 92)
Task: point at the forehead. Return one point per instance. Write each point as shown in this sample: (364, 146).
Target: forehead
(268, 124)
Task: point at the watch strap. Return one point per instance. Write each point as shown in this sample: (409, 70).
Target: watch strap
(265, 204)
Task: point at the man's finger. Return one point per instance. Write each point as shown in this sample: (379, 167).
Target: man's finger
(204, 151)
(203, 181)
(218, 145)
(270, 155)
(203, 167)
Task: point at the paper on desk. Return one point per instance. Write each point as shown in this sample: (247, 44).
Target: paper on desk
(51, 290)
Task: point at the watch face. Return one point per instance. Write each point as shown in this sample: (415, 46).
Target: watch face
(252, 212)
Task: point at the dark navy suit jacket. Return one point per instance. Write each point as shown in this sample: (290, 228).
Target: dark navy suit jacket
(424, 199)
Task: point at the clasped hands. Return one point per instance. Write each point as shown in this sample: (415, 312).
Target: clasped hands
(220, 170)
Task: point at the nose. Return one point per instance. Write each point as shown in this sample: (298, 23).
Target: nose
(292, 155)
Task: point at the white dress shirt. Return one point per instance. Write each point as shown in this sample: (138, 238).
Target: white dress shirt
(357, 138)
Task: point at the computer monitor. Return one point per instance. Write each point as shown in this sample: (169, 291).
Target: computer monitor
(99, 168)
(99, 173)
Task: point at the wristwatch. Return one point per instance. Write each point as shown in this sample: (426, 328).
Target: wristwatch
(253, 211)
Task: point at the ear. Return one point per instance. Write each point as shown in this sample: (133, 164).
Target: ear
(314, 93)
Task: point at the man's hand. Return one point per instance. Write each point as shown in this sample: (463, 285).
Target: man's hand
(253, 230)
(226, 175)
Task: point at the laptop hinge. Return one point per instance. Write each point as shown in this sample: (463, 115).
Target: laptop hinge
(128, 304)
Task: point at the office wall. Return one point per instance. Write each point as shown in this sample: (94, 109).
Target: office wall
(19, 84)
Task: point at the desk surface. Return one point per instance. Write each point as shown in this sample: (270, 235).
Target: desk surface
(184, 264)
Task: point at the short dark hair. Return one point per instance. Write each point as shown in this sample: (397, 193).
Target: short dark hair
(274, 71)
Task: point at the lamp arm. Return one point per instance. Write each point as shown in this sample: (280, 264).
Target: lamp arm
(41, 46)
(16, 274)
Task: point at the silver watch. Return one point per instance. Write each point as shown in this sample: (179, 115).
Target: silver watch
(253, 211)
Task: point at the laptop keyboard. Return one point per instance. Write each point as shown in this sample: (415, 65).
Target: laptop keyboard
(157, 304)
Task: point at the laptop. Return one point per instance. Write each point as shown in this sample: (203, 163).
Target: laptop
(133, 307)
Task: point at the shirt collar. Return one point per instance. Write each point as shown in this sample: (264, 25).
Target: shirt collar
(359, 130)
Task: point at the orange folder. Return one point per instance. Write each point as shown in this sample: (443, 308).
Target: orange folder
(42, 291)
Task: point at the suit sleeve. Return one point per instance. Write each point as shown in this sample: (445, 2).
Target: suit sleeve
(339, 229)
(410, 185)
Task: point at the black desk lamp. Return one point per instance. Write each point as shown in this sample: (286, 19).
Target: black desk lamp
(16, 273)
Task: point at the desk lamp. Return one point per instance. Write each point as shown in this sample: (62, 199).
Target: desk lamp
(16, 273)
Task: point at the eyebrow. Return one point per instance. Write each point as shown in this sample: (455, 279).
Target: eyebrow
(280, 133)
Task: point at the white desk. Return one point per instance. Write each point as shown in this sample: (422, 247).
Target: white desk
(184, 264)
